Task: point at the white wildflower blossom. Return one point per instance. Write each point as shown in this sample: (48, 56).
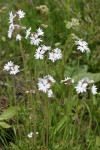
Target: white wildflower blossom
(44, 85)
(74, 23)
(40, 32)
(55, 55)
(66, 80)
(11, 17)
(35, 40)
(30, 135)
(10, 31)
(8, 66)
(81, 87)
(14, 69)
(20, 14)
(50, 93)
(82, 46)
(46, 48)
(39, 54)
(87, 80)
(28, 33)
(94, 89)
(18, 37)
(50, 78)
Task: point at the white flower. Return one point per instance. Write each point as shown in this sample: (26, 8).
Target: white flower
(43, 84)
(82, 46)
(39, 54)
(28, 33)
(11, 17)
(50, 78)
(40, 32)
(20, 14)
(50, 93)
(58, 53)
(46, 48)
(14, 69)
(81, 87)
(94, 89)
(35, 40)
(55, 55)
(18, 37)
(66, 80)
(87, 80)
(8, 66)
(10, 31)
(30, 135)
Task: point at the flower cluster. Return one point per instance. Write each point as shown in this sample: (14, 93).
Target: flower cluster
(40, 51)
(18, 15)
(74, 23)
(83, 85)
(67, 80)
(44, 84)
(13, 69)
(35, 37)
(55, 55)
(82, 46)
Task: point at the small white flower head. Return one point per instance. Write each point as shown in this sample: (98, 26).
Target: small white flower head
(67, 80)
(87, 80)
(74, 23)
(10, 31)
(50, 93)
(11, 17)
(8, 66)
(28, 33)
(18, 37)
(39, 54)
(20, 14)
(46, 48)
(40, 51)
(50, 78)
(40, 32)
(82, 46)
(55, 55)
(14, 70)
(30, 135)
(81, 87)
(35, 40)
(43, 84)
(94, 89)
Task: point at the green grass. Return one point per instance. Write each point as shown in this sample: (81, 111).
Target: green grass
(67, 121)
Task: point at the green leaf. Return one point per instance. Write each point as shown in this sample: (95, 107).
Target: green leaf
(60, 124)
(91, 76)
(4, 125)
(9, 113)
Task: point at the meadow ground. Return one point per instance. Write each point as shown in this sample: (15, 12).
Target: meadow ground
(45, 101)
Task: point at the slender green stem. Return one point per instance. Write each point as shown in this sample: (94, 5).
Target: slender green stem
(23, 57)
(78, 68)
